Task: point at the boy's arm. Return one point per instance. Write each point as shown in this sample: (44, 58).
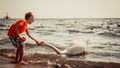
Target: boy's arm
(37, 42)
(30, 36)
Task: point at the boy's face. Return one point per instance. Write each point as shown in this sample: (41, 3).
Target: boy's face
(30, 20)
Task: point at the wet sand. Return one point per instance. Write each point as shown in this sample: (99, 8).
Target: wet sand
(49, 61)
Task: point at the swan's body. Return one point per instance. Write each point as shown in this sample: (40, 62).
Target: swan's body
(75, 48)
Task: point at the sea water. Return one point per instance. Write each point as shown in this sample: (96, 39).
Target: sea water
(103, 35)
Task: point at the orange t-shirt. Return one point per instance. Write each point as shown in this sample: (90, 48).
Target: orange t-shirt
(23, 27)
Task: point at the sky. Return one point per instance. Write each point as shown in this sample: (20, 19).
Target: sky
(61, 8)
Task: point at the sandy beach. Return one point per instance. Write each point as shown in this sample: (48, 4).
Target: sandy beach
(49, 61)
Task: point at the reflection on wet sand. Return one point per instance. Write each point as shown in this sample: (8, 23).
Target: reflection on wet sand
(18, 65)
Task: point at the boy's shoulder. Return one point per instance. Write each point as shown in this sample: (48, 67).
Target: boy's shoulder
(20, 21)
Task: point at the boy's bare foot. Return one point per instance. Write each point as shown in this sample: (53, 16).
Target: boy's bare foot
(23, 62)
(16, 61)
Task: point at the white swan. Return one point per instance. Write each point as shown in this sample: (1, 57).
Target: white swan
(75, 48)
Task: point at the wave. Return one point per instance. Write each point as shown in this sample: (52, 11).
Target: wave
(110, 43)
(41, 26)
(87, 31)
(93, 27)
(109, 34)
(60, 24)
(73, 31)
(4, 41)
(3, 28)
(109, 54)
(3, 25)
(99, 47)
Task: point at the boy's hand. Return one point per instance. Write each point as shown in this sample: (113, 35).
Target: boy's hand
(22, 39)
(39, 42)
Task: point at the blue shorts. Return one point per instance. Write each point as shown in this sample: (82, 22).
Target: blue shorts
(15, 41)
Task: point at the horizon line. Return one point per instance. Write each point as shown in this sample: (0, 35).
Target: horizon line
(64, 18)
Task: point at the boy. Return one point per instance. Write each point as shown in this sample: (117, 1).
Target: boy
(14, 35)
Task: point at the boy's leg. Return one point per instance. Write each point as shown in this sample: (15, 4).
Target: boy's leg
(17, 55)
(20, 47)
(21, 54)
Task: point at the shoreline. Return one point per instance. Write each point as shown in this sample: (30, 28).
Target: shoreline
(50, 61)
